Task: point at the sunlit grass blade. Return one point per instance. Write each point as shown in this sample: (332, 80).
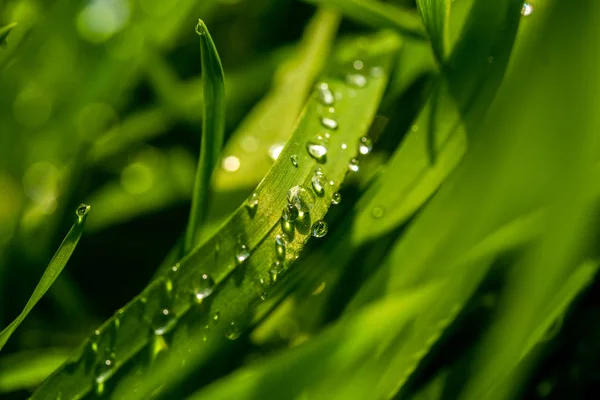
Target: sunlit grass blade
(213, 131)
(27, 369)
(5, 31)
(436, 16)
(54, 268)
(347, 356)
(378, 15)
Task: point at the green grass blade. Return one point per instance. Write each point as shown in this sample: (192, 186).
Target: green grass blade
(236, 271)
(56, 265)
(213, 131)
(378, 15)
(27, 369)
(5, 31)
(338, 358)
(436, 18)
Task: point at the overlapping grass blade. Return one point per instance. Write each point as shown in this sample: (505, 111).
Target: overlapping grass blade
(237, 258)
(213, 131)
(54, 268)
(378, 15)
(5, 31)
(436, 18)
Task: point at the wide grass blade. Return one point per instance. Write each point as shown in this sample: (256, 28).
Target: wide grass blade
(213, 131)
(378, 15)
(436, 18)
(27, 369)
(5, 31)
(56, 265)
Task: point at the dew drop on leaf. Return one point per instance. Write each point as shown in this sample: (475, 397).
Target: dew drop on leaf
(324, 93)
(82, 210)
(318, 181)
(294, 160)
(329, 123)
(252, 204)
(276, 270)
(200, 28)
(336, 198)
(356, 80)
(233, 331)
(377, 212)
(103, 370)
(353, 165)
(280, 244)
(365, 145)
(275, 151)
(290, 213)
(216, 316)
(319, 229)
(241, 254)
(302, 199)
(317, 149)
(527, 10)
(163, 322)
(204, 288)
(344, 146)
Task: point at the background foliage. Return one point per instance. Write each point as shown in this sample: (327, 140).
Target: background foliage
(442, 157)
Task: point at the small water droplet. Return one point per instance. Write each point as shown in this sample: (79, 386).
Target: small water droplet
(302, 199)
(318, 181)
(357, 80)
(376, 72)
(231, 163)
(336, 198)
(319, 229)
(377, 212)
(275, 151)
(242, 253)
(365, 145)
(204, 288)
(358, 65)
(324, 93)
(82, 210)
(276, 270)
(290, 213)
(317, 149)
(294, 160)
(103, 371)
(329, 123)
(527, 10)
(264, 296)
(265, 281)
(200, 29)
(163, 322)
(252, 204)
(353, 165)
(215, 317)
(344, 146)
(233, 331)
(175, 268)
(280, 244)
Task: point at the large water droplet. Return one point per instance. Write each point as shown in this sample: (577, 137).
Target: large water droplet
(252, 204)
(325, 94)
(527, 9)
(353, 165)
(290, 213)
(302, 199)
(336, 198)
(82, 210)
(163, 322)
(318, 181)
(357, 80)
(294, 160)
(365, 145)
(275, 151)
(200, 29)
(280, 244)
(233, 331)
(317, 149)
(319, 229)
(329, 123)
(242, 253)
(205, 287)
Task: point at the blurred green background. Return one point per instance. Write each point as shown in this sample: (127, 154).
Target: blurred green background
(100, 103)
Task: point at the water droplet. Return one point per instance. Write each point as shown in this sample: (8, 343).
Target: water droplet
(231, 164)
(336, 198)
(204, 288)
(233, 331)
(318, 181)
(344, 146)
(82, 210)
(357, 80)
(163, 322)
(252, 204)
(215, 317)
(242, 253)
(319, 229)
(175, 268)
(376, 72)
(294, 160)
(325, 94)
(527, 9)
(317, 149)
(358, 65)
(276, 270)
(275, 151)
(265, 281)
(377, 212)
(103, 371)
(280, 244)
(365, 145)
(329, 123)
(353, 165)
(200, 28)
(290, 213)
(301, 198)
(264, 296)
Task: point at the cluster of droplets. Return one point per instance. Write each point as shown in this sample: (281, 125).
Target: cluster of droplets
(103, 348)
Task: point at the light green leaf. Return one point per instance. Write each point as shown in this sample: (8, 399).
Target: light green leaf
(436, 18)
(213, 131)
(54, 268)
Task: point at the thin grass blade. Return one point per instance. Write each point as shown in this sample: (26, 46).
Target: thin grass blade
(436, 18)
(5, 31)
